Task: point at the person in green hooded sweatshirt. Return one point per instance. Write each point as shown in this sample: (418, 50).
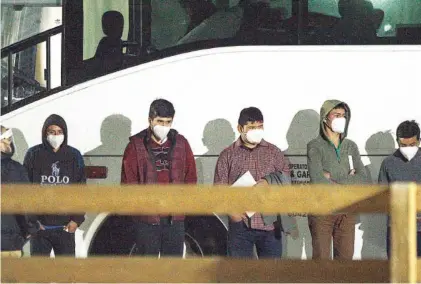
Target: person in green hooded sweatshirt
(334, 159)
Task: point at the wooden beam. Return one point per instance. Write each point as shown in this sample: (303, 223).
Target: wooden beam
(419, 198)
(403, 264)
(150, 199)
(198, 270)
(419, 270)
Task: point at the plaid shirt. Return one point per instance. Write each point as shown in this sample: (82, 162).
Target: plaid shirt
(237, 159)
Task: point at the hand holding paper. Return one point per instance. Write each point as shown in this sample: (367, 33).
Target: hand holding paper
(246, 180)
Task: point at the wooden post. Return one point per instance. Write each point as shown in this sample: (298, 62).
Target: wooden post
(403, 263)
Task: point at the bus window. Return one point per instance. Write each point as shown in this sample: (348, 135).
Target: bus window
(284, 5)
(21, 22)
(170, 22)
(396, 13)
(384, 15)
(204, 20)
(93, 26)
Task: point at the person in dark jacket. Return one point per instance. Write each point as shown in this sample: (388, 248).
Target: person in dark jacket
(159, 155)
(13, 227)
(404, 166)
(51, 163)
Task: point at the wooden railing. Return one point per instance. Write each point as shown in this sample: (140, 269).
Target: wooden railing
(401, 201)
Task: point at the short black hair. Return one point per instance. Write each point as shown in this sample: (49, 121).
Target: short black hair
(161, 108)
(408, 129)
(250, 114)
(341, 105)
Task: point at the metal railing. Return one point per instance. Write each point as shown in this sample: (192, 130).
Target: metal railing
(11, 50)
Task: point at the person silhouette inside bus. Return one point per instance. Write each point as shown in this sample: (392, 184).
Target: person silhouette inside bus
(54, 162)
(359, 22)
(404, 166)
(251, 153)
(13, 227)
(109, 52)
(329, 159)
(159, 155)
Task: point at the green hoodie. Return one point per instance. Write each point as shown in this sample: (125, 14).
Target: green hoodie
(323, 156)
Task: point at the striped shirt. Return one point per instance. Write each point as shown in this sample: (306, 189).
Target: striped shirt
(237, 159)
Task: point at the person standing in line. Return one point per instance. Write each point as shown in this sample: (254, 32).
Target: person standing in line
(251, 153)
(51, 163)
(334, 159)
(13, 226)
(404, 166)
(159, 155)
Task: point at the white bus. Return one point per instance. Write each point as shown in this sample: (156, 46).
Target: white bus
(211, 59)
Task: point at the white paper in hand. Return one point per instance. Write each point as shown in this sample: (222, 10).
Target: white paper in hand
(351, 162)
(246, 180)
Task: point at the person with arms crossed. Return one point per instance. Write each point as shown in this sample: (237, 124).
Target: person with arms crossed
(334, 159)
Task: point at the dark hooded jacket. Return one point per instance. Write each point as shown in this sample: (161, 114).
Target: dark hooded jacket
(46, 167)
(323, 156)
(279, 178)
(13, 227)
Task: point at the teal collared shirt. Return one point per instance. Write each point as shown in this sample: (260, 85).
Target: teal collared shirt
(337, 150)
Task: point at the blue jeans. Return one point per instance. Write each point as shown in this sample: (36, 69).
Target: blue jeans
(241, 241)
(388, 243)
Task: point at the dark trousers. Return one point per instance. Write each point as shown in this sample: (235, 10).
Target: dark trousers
(241, 241)
(165, 238)
(62, 242)
(339, 227)
(388, 246)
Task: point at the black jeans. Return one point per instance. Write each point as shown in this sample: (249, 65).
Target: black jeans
(62, 242)
(165, 238)
(388, 248)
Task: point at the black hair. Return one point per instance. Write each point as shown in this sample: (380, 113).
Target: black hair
(250, 114)
(408, 129)
(161, 108)
(340, 106)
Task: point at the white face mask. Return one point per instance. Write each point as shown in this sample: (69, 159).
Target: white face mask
(161, 132)
(409, 152)
(338, 125)
(55, 140)
(255, 136)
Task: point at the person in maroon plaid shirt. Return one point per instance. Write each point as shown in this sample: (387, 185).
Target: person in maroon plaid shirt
(159, 155)
(251, 153)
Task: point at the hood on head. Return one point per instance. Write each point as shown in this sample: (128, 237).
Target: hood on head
(327, 107)
(54, 119)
